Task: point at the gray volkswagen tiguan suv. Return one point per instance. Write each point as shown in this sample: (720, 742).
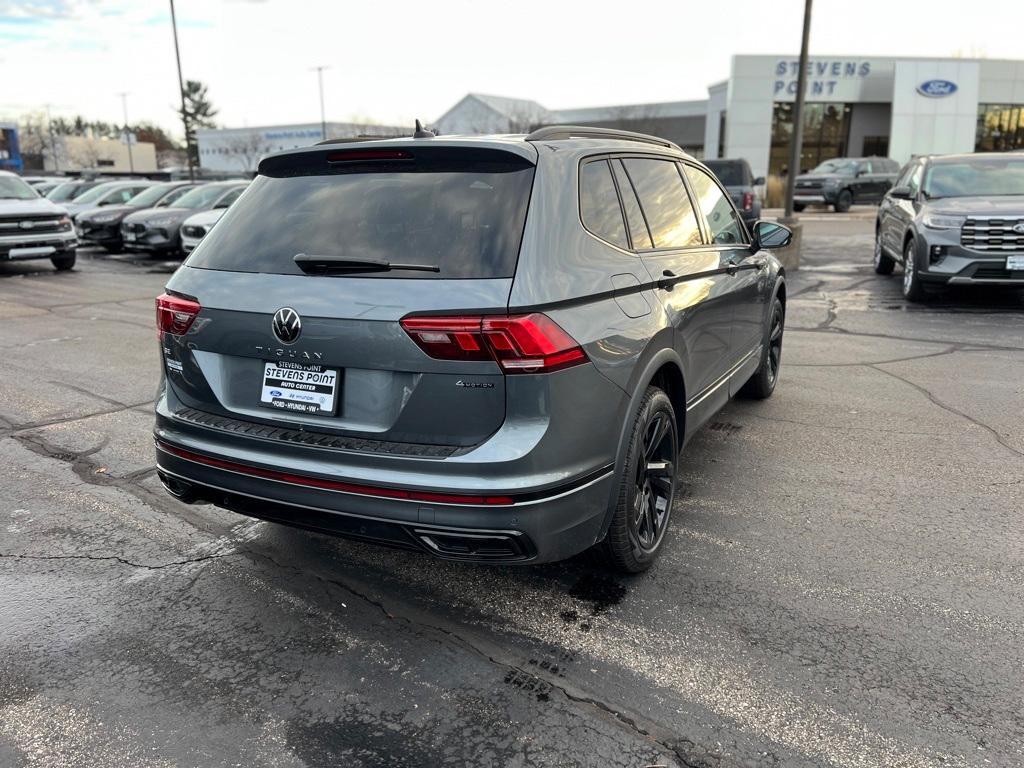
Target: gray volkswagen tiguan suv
(487, 348)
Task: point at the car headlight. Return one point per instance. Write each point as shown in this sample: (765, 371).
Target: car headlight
(943, 221)
(64, 222)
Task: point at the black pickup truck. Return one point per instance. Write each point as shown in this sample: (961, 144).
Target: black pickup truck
(843, 181)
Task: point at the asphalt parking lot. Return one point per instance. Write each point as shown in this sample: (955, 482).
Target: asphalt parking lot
(843, 586)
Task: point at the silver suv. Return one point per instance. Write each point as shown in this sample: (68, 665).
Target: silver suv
(487, 348)
(954, 220)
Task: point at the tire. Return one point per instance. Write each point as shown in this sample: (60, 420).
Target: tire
(844, 201)
(646, 488)
(63, 263)
(799, 207)
(113, 248)
(913, 289)
(884, 265)
(761, 385)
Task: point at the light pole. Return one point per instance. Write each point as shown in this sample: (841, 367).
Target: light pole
(320, 81)
(797, 140)
(127, 134)
(181, 88)
(53, 141)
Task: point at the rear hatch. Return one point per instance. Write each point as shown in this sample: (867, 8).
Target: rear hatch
(302, 285)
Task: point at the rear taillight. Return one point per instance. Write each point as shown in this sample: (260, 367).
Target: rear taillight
(175, 315)
(518, 343)
(748, 201)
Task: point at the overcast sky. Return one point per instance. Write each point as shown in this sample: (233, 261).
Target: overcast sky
(395, 60)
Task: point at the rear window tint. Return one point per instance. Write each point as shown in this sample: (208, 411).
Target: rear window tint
(460, 210)
(666, 205)
(599, 204)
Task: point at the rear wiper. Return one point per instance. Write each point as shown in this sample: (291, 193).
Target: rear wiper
(322, 265)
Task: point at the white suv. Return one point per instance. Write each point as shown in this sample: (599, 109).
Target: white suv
(32, 227)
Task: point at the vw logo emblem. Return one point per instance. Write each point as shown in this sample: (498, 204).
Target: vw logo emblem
(1019, 228)
(287, 325)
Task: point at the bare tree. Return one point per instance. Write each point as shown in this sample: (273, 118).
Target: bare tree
(247, 149)
(86, 153)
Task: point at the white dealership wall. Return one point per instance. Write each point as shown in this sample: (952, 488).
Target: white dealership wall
(919, 124)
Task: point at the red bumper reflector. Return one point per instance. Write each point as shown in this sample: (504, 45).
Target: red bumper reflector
(334, 485)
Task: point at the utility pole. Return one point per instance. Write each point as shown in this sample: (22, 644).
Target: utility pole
(53, 141)
(127, 134)
(181, 88)
(797, 139)
(320, 81)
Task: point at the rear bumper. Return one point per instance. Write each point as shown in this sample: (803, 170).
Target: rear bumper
(522, 527)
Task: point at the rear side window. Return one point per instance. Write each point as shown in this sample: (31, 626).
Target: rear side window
(460, 210)
(724, 225)
(599, 204)
(665, 203)
(634, 216)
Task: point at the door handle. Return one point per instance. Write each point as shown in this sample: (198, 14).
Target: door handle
(732, 267)
(667, 277)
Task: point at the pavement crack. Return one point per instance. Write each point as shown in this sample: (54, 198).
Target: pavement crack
(949, 351)
(14, 428)
(117, 559)
(950, 409)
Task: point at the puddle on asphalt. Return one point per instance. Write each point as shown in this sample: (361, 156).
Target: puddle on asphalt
(601, 592)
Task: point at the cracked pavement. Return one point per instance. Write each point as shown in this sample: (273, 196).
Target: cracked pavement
(842, 585)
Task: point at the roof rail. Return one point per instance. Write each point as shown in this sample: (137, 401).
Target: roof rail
(561, 132)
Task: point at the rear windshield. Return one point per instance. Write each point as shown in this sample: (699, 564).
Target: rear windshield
(462, 211)
(729, 172)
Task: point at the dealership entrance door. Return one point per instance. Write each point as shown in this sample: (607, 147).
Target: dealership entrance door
(831, 129)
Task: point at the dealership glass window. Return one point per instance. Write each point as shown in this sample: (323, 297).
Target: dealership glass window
(826, 134)
(1000, 127)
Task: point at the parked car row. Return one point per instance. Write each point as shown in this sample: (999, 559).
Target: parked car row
(125, 214)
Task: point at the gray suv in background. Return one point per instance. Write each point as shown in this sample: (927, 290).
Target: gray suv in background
(843, 181)
(954, 220)
(486, 348)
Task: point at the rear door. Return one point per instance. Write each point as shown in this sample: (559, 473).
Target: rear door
(458, 213)
(695, 286)
(748, 284)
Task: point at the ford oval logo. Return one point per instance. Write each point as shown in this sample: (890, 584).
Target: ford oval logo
(936, 88)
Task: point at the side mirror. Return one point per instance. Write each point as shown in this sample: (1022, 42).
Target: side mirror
(768, 234)
(900, 193)
(759, 181)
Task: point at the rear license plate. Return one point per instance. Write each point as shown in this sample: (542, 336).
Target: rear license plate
(299, 387)
(1015, 263)
(129, 237)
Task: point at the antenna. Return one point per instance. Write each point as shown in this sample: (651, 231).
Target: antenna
(421, 132)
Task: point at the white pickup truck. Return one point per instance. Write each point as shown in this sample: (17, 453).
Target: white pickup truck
(32, 227)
